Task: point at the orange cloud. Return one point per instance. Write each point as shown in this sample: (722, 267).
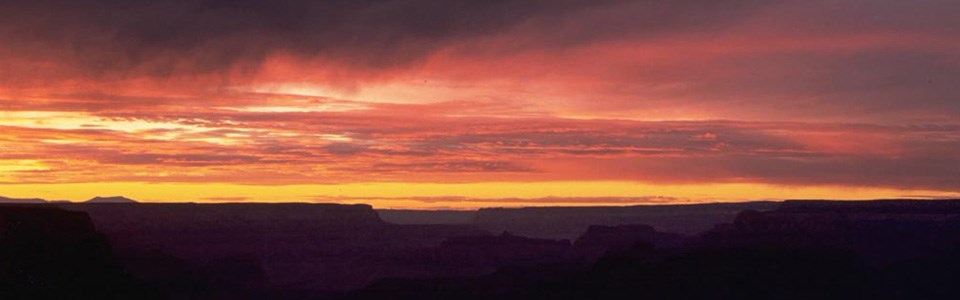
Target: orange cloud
(796, 93)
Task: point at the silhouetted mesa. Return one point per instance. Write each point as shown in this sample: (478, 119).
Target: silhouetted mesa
(111, 200)
(269, 249)
(5, 200)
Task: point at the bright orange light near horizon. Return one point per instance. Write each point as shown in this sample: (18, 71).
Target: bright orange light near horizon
(461, 196)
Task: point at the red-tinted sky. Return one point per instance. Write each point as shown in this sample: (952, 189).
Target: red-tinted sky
(437, 103)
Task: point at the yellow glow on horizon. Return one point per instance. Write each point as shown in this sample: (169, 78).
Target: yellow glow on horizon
(431, 195)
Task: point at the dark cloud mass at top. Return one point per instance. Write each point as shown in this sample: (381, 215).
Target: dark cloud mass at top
(114, 36)
(104, 38)
(792, 52)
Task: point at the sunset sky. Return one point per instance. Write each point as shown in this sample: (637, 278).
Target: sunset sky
(463, 104)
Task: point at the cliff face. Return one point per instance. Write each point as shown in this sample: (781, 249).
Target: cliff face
(51, 253)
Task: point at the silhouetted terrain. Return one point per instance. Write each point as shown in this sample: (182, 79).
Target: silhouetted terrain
(600, 240)
(803, 250)
(114, 200)
(262, 247)
(571, 222)
(888, 230)
(894, 249)
(48, 253)
(6, 200)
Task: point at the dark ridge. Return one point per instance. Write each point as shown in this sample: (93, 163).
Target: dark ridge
(571, 222)
(5, 200)
(263, 251)
(232, 214)
(112, 200)
(899, 206)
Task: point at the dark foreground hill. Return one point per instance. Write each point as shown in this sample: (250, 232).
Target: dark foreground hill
(48, 253)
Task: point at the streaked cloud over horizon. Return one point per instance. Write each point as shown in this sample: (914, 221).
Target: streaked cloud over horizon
(544, 102)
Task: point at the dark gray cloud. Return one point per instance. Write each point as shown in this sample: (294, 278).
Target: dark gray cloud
(772, 76)
(113, 36)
